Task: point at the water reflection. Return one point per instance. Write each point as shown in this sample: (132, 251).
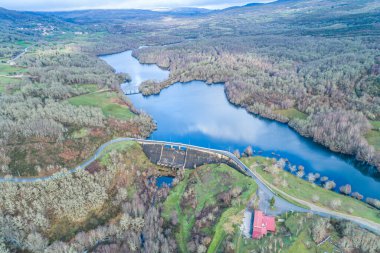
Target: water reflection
(200, 114)
(125, 63)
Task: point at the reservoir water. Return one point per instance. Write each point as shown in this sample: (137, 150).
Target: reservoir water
(164, 180)
(200, 114)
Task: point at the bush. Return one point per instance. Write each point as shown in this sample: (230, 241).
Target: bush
(346, 189)
(237, 153)
(373, 202)
(335, 203)
(272, 202)
(324, 179)
(315, 198)
(329, 185)
(300, 174)
(357, 195)
(248, 151)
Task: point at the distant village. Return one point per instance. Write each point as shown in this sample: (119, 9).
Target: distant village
(46, 30)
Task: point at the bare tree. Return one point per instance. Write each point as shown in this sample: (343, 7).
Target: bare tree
(248, 151)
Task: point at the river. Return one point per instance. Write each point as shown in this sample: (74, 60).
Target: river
(200, 114)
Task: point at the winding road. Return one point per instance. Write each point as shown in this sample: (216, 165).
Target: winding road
(19, 55)
(265, 191)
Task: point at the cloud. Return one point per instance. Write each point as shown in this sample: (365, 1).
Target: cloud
(54, 5)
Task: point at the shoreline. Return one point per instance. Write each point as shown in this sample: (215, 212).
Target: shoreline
(364, 168)
(159, 86)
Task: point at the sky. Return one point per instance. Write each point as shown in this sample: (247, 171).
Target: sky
(55, 5)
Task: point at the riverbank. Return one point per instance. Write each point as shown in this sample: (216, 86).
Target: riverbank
(61, 117)
(292, 116)
(313, 196)
(195, 113)
(122, 143)
(93, 205)
(345, 129)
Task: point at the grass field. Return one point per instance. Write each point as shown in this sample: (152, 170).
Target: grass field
(299, 242)
(299, 239)
(107, 102)
(207, 182)
(23, 43)
(373, 138)
(86, 88)
(81, 133)
(7, 70)
(305, 190)
(292, 113)
(4, 81)
(173, 203)
(219, 230)
(120, 146)
(375, 124)
(134, 150)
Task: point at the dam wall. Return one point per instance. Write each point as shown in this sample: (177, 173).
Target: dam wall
(184, 157)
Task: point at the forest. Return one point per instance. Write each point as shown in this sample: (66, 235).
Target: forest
(273, 61)
(114, 205)
(108, 207)
(46, 119)
(312, 64)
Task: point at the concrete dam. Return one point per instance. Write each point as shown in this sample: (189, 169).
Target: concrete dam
(177, 156)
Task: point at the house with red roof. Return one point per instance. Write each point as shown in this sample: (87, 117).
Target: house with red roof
(262, 224)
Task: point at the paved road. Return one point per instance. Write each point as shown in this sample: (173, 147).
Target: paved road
(265, 192)
(324, 212)
(19, 55)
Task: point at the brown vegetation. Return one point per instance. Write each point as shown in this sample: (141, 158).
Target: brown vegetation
(38, 127)
(115, 206)
(331, 76)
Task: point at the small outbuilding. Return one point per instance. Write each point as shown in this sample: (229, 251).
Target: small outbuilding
(262, 224)
(246, 227)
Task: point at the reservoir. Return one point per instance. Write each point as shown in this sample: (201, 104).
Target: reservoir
(200, 114)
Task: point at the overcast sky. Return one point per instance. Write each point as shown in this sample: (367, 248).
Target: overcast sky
(53, 5)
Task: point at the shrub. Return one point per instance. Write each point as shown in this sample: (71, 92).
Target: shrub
(357, 195)
(248, 151)
(329, 185)
(272, 202)
(373, 202)
(237, 153)
(320, 230)
(346, 189)
(300, 174)
(315, 198)
(311, 177)
(335, 203)
(324, 179)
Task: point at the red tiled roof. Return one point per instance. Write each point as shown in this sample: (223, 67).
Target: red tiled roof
(270, 223)
(262, 224)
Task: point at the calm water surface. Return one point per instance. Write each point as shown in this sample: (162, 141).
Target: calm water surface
(200, 114)
(164, 180)
(125, 63)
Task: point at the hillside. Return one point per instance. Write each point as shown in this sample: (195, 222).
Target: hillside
(314, 64)
(317, 57)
